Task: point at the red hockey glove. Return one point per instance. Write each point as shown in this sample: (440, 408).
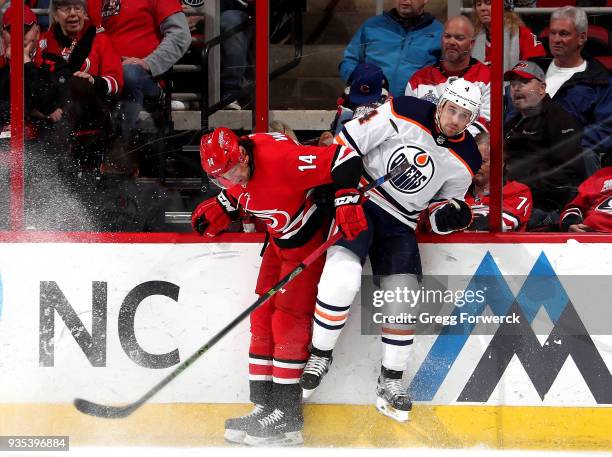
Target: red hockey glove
(214, 215)
(349, 213)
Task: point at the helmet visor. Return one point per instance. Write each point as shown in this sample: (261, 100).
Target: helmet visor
(228, 179)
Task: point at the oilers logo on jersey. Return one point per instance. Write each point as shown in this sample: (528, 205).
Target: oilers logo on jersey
(419, 173)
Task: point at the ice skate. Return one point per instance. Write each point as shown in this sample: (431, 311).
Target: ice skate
(236, 427)
(276, 429)
(316, 367)
(392, 397)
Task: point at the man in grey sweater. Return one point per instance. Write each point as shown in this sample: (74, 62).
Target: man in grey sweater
(151, 37)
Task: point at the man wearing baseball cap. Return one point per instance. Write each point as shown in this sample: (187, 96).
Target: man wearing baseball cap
(366, 88)
(542, 145)
(31, 32)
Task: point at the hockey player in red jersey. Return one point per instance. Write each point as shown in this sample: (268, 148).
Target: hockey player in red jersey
(591, 209)
(272, 177)
(443, 157)
(517, 201)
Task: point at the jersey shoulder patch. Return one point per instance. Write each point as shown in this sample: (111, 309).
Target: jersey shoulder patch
(416, 109)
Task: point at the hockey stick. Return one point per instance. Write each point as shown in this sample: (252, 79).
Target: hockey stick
(117, 412)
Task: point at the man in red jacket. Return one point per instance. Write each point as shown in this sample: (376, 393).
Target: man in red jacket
(275, 179)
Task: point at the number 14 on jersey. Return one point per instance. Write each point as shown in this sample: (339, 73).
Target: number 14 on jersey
(309, 160)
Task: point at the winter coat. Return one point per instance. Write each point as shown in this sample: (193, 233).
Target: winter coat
(399, 51)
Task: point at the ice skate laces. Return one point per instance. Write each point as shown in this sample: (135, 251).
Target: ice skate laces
(394, 388)
(256, 411)
(316, 365)
(271, 418)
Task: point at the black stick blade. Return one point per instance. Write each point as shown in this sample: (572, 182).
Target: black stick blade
(107, 412)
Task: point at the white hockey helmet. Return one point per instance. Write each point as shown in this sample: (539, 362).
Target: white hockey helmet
(464, 94)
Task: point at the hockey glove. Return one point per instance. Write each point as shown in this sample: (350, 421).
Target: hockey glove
(349, 213)
(214, 215)
(452, 216)
(569, 220)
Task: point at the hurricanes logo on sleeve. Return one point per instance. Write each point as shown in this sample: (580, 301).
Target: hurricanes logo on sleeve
(275, 219)
(605, 206)
(419, 173)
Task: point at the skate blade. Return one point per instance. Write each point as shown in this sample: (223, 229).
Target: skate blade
(386, 409)
(234, 436)
(284, 439)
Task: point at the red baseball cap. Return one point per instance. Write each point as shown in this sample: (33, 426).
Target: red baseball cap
(29, 18)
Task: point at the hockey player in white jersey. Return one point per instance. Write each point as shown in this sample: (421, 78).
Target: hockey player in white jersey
(443, 158)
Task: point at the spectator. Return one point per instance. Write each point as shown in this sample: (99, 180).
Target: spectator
(516, 198)
(30, 40)
(400, 41)
(581, 86)
(542, 145)
(367, 88)
(151, 35)
(519, 41)
(591, 209)
(81, 74)
(234, 51)
(122, 204)
(457, 43)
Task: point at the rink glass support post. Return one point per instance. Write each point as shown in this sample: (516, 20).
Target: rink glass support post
(262, 65)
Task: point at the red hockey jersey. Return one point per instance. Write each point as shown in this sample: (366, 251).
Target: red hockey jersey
(280, 190)
(516, 207)
(430, 82)
(593, 204)
(102, 61)
(133, 25)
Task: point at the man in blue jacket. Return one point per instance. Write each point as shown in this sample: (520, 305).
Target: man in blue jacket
(580, 85)
(400, 41)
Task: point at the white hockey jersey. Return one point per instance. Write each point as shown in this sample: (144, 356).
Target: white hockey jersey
(441, 168)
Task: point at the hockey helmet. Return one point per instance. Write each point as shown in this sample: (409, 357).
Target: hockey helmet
(463, 93)
(219, 151)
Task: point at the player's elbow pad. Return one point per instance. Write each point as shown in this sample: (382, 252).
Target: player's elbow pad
(347, 169)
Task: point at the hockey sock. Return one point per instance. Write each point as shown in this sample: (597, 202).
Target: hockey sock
(339, 283)
(397, 338)
(260, 378)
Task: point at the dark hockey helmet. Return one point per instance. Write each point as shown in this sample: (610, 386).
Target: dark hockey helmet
(219, 151)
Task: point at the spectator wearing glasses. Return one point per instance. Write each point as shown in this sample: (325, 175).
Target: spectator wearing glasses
(542, 145)
(81, 76)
